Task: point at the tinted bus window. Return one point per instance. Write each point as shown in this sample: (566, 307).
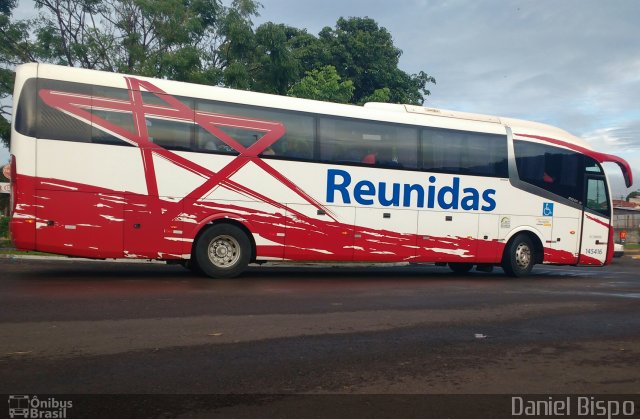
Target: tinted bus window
(365, 142)
(171, 135)
(597, 198)
(557, 170)
(592, 166)
(56, 125)
(104, 117)
(25, 117)
(297, 143)
(206, 142)
(167, 133)
(461, 152)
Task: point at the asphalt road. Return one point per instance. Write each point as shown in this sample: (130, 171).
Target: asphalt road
(71, 327)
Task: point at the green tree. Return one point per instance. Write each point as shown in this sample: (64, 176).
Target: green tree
(363, 52)
(276, 58)
(14, 49)
(132, 36)
(6, 87)
(277, 68)
(323, 84)
(7, 6)
(176, 39)
(634, 194)
(236, 52)
(379, 95)
(309, 51)
(262, 61)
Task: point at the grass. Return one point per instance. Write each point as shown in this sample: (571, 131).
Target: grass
(13, 252)
(6, 248)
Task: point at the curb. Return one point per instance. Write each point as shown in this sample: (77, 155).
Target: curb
(634, 254)
(271, 264)
(73, 259)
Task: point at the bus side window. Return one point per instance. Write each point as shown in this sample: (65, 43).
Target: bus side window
(122, 120)
(388, 157)
(555, 169)
(370, 158)
(168, 133)
(464, 152)
(205, 142)
(51, 123)
(209, 145)
(171, 135)
(296, 143)
(366, 142)
(296, 149)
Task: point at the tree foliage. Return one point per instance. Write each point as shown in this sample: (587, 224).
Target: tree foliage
(10, 53)
(159, 38)
(364, 53)
(323, 84)
(634, 194)
(204, 41)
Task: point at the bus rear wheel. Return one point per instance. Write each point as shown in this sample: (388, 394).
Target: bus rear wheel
(191, 265)
(519, 256)
(223, 251)
(460, 267)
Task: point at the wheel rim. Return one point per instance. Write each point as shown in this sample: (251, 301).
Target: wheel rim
(224, 251)
(523, 255)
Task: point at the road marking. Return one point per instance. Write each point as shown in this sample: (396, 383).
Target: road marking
(594, 293)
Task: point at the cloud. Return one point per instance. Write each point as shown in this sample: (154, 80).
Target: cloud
(617, 139)
(621, 141)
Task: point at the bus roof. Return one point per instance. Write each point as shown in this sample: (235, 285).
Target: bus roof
(521, 128)
(517, 125)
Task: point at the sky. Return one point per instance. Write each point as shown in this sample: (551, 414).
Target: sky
(574, 64)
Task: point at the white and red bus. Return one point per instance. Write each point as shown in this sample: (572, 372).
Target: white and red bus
(113, 166)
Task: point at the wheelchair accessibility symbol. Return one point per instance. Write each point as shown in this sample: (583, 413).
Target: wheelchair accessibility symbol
(547, 209)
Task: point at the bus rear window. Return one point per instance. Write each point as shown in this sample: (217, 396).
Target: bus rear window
(25, 119)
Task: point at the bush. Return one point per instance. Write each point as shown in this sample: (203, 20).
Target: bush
(4, 226)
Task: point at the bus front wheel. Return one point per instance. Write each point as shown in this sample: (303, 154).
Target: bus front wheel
(223, 251)
(519, 256)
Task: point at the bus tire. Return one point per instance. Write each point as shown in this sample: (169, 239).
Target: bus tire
(223, 251)
(519, 256)
(191, 265)
(460, 267)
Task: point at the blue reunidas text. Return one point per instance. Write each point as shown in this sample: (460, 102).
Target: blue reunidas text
(365, 192)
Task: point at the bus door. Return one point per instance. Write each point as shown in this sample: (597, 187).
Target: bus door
(565, 238)
(596, 216)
